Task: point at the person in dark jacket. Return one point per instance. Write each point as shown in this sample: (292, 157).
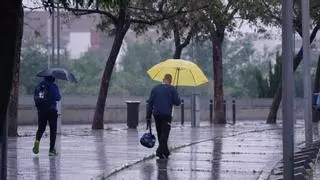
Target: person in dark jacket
(162, 98)
(48, 115)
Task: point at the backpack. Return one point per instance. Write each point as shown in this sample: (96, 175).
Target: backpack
(43, 96)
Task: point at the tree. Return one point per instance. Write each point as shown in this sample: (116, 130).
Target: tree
(240, 58)
(88, 69)
(201, 53)
(268, 86)
(138, 59)
(118, 16)
(274, 75)
(215, 29)
(182, 28)
(237, 56)
(270, 13)
(14, 95)
(33, 60)
(262, 84)
(10, 20)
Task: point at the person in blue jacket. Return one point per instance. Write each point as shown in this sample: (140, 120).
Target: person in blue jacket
(161, 101)
(47, 113)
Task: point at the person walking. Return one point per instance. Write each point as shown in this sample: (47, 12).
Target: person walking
(46, 95)
(162, 98)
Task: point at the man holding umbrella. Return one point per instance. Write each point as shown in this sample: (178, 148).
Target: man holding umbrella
(46, 95)
(162, 98)
(177, 72)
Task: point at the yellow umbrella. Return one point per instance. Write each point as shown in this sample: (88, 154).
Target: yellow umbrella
(183, 72)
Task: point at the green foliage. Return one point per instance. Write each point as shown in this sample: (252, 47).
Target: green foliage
(201, 54)
(247, 73)
(114, 3)
(133, 78)
(267, 87)
(262, 84)
(236, 54)
(274, 75)
(88, 69)
(248, 84)
(33, 60)
(237, 57)
(269, 12)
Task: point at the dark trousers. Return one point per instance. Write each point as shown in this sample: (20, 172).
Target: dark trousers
(163, 126)
(44, 117)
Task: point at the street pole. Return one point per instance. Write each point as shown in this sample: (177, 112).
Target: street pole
(59, 107)
(287, 89)
(49, 42)
(52, 35)
(58, 35)
(305, 5)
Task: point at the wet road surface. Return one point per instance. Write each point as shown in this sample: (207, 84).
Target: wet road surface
(243, 151)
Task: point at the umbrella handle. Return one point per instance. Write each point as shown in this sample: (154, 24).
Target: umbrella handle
(177, 75)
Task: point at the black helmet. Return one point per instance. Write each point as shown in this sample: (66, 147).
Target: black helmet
(148, 140)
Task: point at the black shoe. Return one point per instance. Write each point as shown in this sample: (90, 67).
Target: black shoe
(161, 156)
(53, 153)
(158, 154)
(165, 156)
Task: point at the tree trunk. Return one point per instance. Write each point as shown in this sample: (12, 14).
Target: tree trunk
(272, 116)
(178, 52)
(9, 20)
(104, 86)
(316, 89)
(177, 39)
(219, 111)
(12, 114)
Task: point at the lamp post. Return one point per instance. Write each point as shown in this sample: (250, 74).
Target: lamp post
(305, 5)
(287, 89)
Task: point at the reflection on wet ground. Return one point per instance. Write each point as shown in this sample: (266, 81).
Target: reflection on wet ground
(238, 151)
(240, 157)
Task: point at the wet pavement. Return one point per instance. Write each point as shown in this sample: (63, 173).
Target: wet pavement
(246, 150)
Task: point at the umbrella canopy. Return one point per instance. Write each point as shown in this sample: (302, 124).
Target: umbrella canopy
(183, 72)
(58, 73)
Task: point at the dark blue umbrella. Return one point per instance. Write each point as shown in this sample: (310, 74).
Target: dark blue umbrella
(58, 73)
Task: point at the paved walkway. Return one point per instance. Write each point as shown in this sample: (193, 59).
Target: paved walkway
(242, 151)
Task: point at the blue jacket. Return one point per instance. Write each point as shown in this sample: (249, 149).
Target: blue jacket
(162, 98)
(54, 92)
